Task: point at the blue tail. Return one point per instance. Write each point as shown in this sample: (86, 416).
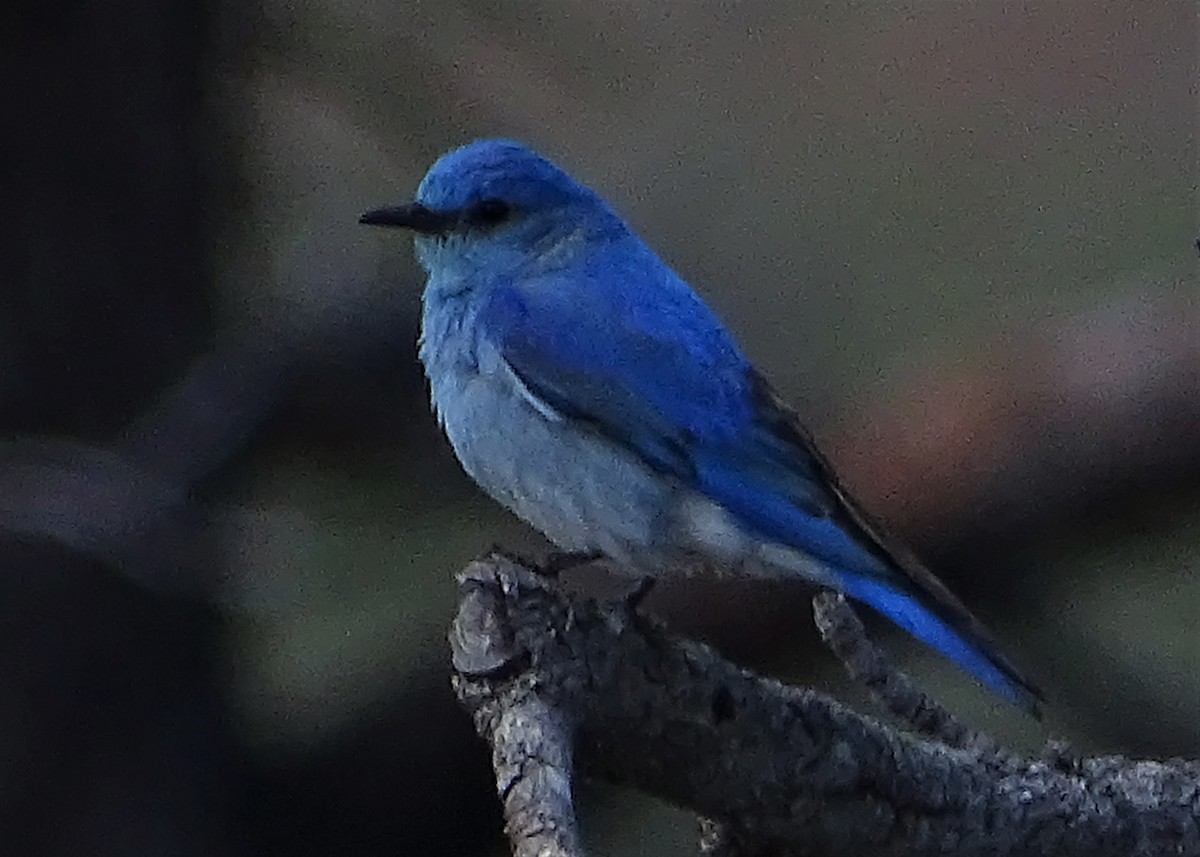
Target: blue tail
(907, 611)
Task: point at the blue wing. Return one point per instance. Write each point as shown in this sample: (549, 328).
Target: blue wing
(895, 583)
(661, 376)
(664, 378)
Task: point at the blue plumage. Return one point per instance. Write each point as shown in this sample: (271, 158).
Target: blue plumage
(584, 385)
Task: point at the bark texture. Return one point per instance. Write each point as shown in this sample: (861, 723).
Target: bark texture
(562, 687)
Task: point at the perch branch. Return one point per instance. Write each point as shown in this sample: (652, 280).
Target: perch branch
(843, 632)
(552, 682)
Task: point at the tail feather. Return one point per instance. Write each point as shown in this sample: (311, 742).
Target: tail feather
(809, 511)
(977, 656)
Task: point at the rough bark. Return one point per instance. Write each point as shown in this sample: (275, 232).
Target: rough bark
(560, 687)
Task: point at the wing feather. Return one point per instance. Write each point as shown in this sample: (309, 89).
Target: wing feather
(693, 408)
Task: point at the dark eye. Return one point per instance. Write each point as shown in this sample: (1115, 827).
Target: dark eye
(490, 212)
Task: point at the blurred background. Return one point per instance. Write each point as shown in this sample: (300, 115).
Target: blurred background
(957, 235)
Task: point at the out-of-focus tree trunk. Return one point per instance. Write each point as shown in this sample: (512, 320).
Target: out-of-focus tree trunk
(102, 251)
(116, 738)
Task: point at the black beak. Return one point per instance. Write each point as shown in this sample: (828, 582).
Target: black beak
(412, 216)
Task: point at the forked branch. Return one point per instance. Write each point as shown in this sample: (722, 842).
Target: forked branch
(561, 687)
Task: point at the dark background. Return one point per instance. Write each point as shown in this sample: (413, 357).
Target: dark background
(958, 235)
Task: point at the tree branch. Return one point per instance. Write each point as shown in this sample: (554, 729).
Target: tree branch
(843, 632)
(778, 769)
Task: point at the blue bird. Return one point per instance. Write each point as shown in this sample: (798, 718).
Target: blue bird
(585, 386)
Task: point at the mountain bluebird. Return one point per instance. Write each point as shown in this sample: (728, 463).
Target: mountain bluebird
(585, 386)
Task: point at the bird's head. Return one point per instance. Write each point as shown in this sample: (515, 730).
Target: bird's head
(494, 207)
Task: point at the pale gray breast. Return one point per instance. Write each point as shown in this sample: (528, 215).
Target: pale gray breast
(582, 490)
